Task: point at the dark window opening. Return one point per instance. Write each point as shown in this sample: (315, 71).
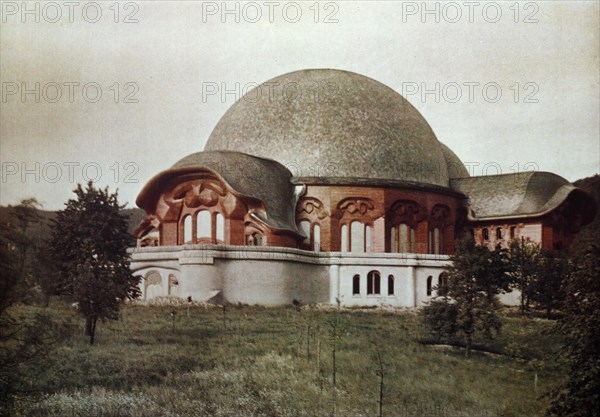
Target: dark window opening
(356, 285)
(373, 283)
(429, 279)
(391, 285)
(442, 284)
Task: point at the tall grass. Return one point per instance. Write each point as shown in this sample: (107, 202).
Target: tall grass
(254, 361)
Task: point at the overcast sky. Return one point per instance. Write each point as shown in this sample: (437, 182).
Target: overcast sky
(152, 65)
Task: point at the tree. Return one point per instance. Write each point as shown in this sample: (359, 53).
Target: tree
(89, 244)
(441, 317)
(475, 278)
(523, 261)
(579, 395)
(547, 287)
(24, 344)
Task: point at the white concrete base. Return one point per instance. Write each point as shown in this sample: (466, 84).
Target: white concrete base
(274, 276)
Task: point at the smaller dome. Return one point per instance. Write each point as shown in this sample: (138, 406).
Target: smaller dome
(254, 177)
(523, 194)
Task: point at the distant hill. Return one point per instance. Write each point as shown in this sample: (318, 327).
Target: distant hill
(136, 215)
(43, 229)
(591, 185)
(591, 232)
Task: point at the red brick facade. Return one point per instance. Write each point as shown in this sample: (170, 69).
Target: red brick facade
(381, 208)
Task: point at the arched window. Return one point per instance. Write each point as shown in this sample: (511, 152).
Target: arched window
(259, 239)
(436, 241)
(304, 227)
(373, 283)
(153, 285)
(357, 237)
(430, 241)
(368, 238)
(187, 229)
(393, 240)
(356, 285)
(403, 237)
(485, 234)
(220, 228)
(498, 233)
(391, 289)
(317, 238)
(203, 225)
(442, 284)
(429, 284)
(344, 238)
(513, 232)
(173, 286)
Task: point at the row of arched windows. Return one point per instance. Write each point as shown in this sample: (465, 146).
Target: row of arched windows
(206, 222)
(357, 238)
(373, 284)
(153, 285)
(312, 233)
(435, 241)
(441, 286)
(500, 233)
(402, 239)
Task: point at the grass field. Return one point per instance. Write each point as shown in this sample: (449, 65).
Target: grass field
(253, 361)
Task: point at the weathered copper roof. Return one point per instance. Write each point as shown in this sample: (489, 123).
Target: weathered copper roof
(259, 178)
(331, 123)
(525, 194)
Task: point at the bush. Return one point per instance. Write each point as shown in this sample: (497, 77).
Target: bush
(440, 316)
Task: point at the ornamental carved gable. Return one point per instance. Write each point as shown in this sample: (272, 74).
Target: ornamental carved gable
(193, 194)
(405, 211)
(187, 194)
(440, 215)
(355, 206)
(310, 208)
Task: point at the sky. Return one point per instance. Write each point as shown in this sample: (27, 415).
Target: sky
(116, 92)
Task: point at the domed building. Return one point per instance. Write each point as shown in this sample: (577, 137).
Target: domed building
(324, 184)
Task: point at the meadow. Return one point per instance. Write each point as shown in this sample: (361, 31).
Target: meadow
(199, 360)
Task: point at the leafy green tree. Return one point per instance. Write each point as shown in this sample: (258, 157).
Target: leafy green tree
(523, 259)
(24, 344)
(89, 245)
(548, 284)
(440, 316)
(493, 272)
(475, 278)
(579, 395)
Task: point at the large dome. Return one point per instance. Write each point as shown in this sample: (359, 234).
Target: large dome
(333, 124)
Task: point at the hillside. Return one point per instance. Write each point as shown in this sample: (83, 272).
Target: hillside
(591, 232)
(204, 361)
(43, 228)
